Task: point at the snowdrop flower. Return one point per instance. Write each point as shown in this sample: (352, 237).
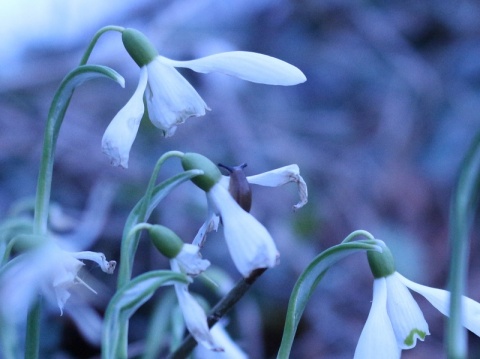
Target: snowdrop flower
(185, 258)
(395, 321)
(46, 269)
(230, 349)
(249, 243)
(169, 96)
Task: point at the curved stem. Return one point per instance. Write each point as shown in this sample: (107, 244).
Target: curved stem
(95, 38)
(462, 211)
(129, 243)
(32, 337)
(358, 233)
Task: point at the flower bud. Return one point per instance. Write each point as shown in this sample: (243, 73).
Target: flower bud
(381, 264)
(211, 174)
(239, 187)
(166, 241)
(139, 47)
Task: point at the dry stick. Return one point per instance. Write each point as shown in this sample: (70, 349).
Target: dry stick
(222, 307)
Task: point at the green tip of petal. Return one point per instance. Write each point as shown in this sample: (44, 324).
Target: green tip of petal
(139, 47)
(211, 172)
(411, 338)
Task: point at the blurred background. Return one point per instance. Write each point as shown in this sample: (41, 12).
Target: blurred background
(389, 109)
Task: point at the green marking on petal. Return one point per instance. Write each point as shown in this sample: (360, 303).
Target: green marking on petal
(410, 339)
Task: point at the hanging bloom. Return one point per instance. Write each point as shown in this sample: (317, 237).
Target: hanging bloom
(395, 321)
(185, 258)
(47, 269)
(248, 241)
(169, 96)
(230, 349)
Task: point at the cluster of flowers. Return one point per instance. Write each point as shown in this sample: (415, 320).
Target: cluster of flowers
(395, 321)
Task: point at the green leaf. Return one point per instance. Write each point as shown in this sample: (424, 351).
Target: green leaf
(125, 303)
(308, 281)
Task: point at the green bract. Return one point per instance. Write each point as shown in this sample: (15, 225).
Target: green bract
(381, 264)
(211, 172)
(166, 241)
(139, 47)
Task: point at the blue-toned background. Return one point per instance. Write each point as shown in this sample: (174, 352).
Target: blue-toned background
(379, 129)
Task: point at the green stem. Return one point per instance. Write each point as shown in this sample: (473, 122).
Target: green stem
(358, 233)
(462, 211)
(32, 339)
(95, 38)
(130, 242)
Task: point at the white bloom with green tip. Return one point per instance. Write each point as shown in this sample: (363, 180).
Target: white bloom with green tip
(169, 96)
(396, 322)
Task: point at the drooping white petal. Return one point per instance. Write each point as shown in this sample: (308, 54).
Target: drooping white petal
(245, 65)
(405, 315)
(190, 260)
(249, 243)
(440, 299)
(231, 349)
(170, 97)
(377, 340)
(279, 177)
(122, 130)
(195, 318)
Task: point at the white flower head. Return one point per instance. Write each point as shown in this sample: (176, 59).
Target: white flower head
(169, 96)
(395, 322)
(47, 269)
(248, 241)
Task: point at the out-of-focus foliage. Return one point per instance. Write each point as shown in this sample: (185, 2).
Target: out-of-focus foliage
(390, 106)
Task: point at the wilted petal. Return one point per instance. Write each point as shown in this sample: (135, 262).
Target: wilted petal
(405, 315)
(190, 261)
(211, 224)
(279, 177)
(377, 340)
(99, 258)
(122, 130)
(245, 65)
(195, 318)
(170, 98)
(440, 299)
(249, 243)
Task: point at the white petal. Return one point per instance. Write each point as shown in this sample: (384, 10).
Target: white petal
(170, 98)
(279, 177)
(249, 66)
(440, 299)
(377, 340)
(405, 314)
(121, 132)
(190, 260)
(249, 243)
(231, 350)
(195, 318)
